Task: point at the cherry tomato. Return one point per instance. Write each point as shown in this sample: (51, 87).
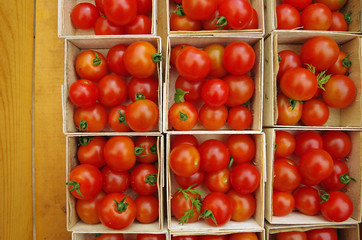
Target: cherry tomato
(117, 120)
(240, 118)
(140, 25)
(114, 181)
(193, 89)
(293, 235)
(322, 234)
(115, 59)
(194, 180)
(151, 237)
(241, 89)
(109, 236)
(288, 60)
(213, 118)
(298, 4)
(91, 119)
(211, 23)
(341, 66)
(254, 22)
(245, 178)
(85, 181)
(336, 206)
(334, 5)
(286, 175)
(215, 92)
(183, 116)
(214, 237)
(144, 179)
(199, 9)
(146, 149)
(216, 54)
(105, 27)
(142, 115)
(216, 209)
(214, 156)
(244, 205)
(338, 144)
(183, 208)
(284, 144)
(112, 90)
(144, 7)
(185, 237)
(315, 113)
(239, 57)
(87, 209)
(91, 65)
(237, 13)
(184, 139)
(287, 115)
(283, 203)
(117, 211)
(84, 15)
(307, 200)
(120, 12)
(119, 153)
(339, 177)
(243, 236)
(288, 17)
(309, 183)
(83, 93)
(315, 161)
(175, 51)
(316, 17)
(90, 151)
(339, 22)
(218, 181)
(307, 140)
(148, 87)
(241, 147)
(320, 52)
(185, 160)
(340, 91)
(193, 64)
(99, 5)
(180, 22)
(140, 59)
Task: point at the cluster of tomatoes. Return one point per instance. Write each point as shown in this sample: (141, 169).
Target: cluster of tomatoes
(195, 15)
(321, 15)
(231, 182)
(229, 85)
(98, 90)
(315, 234)
(119, 236)
(114, 17)
(101, 182)
(235, 236)
(306, 93)
(321, 167)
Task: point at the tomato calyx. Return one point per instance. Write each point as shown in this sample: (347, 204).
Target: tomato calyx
(208, 214)
(97, 60)
(121, 118)
(231, 162)
(179, 11)
(121, 206)
(98, 234)
(183, 116)
(279, 58)
(75, 186)
(221, 22)
(138, 151)
(324, 196)
(346, 62)
(139, 96)
(293, 103)
(83, 125)
(180, 95)
(157, 57)
(346, 179)
(348, 17)
(323, 79)
(151, 179)
(84, 141)
(153, 149)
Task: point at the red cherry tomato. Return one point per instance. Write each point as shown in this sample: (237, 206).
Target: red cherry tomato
(105, 27)
(336, 206)
(286, 175)
(87, 209)
(184, 139)
(183, 116)
(185, 237)
(218, 181)
(339, 22)
(193, 89)
(338, 144)
(211, 23)
(99, 5)
(219, 206)
(117, 120)
(144, 7)
(148, 87)
(194, 180)
(213, 118)
(84, 15)
(334, 5)
(109, 236)
(244, 205)
(185, 160)
(146, 149)
(307, 200)
(240, 118)
(315, 161)
(239, 57)
(151, 237)
(316, 17)
(174, 53)
(216, 54)
(119, 153)
(288, 17)
(241, 147)
(91, 150)
(340, 91)
(283, 203)
(120, 12)
(180, 22)
(91, 65)
(91, 119)
(322, 234)
(115, 59)
(215, 92)
(142, 115)
(298, 4)
(288, 60)
(341, 66)
(114, 181)
(307, 140)
(141, 24)
(83, 93)
(147, 209)
(293, 235)
(237, 13)
(339, 177)
(112, 90)
(144, 179)
(199, 9)
(180, 206)
(287, 115)
(241, 89)
(245, 178)
(284, 144)
(254, 22)
(315, 113)
(214, 156)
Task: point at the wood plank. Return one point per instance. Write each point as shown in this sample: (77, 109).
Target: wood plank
(49, 139)
(16, 47)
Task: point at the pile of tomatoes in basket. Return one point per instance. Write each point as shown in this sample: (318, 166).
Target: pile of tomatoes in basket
(231, 184)
(217, 75)
(194, 15)
(321, 15)
(98, 89)
(101, 182)
(321, 168)
(112, 17)
(314, 81)
(235, 236)
(322, 233)
(119, 236)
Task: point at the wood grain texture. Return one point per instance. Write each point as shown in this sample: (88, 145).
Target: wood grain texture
(49, 139)
(16, 47)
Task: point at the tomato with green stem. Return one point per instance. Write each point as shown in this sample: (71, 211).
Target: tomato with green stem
(115, 181)
(211, 23)
(119, 153)
(148, 87)
(142, 115)
(91, 119)
(289, 111)
(146, 149)
(307, 200)
(83, 93)
(340, 21)
(87, 209)
(117, 120)
(192, 89)
(185, 160)
(183, 115)
(216, 209)
(236, 13)
(144, 179)
(336, 206)
(91, 150)
(339, 178)
(341, 66)
(91, 65)
(180, 22)
(147, 209)
(243, 205)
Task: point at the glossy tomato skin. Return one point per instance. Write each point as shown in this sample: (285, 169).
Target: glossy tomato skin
(147, 209)
(316, 17)
(245, 178)
(288, 17)
(254, 22)
(91, 151)
(284, 144)
(307, 200)
(105, 27)
(238, 13)
(87, 210)
(91, 119)
(211, 23)
(144, 7)
(315, 161)
(338, 207)
(338, 22)
(213, 118)
(288, 60)
(119, 153)
(112, 90)
(186, 139)
(216, 54)
(244, 236)
(307, 140)
(220, 206)
(110, 236)
(240, 118)
(192, 237)
(199, 9)
(99, 5)
(183, 116)
(339, 177)
(340, 91)
(148, 87)
(117, 120)
(84, 15)
(91, 65)
(298, 4)
(214, 156)
(293, 235)
(322, 234)
(183, 23)
(175, 51)
(334, 5)
(83, 93)
(111, 216)
(149, 149)
(140, 25)
(315, 113)
(241, 147)
(239, 57)
(244, 205)
(115, 59)
(193, 88)
(193, 64)
(283, 203)
(286, 175)
(151, 237)
(215, 92)
(287, 115)
(114, 181)
(120, 12)
(195, 179)
(144, 179)
(241, 89)
(180, 205)
(337, 143)
(341, 66)
(218, 181)
(185, 160)
(87, 180)
(142, 115)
